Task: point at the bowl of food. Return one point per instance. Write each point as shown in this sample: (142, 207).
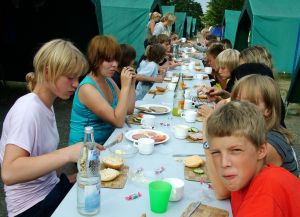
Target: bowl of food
(123, 150)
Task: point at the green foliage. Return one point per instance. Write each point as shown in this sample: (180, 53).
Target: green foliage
(216, 8)
(191, 8)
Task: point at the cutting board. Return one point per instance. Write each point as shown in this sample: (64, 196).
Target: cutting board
(205, 211)
(191, 176)
(118, 182)
(156, 92)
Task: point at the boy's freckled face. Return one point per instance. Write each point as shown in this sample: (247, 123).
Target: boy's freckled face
(236, 159)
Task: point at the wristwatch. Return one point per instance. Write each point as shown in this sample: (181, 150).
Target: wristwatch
(205, 145)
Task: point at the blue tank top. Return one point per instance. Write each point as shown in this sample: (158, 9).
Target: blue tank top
(82, 116)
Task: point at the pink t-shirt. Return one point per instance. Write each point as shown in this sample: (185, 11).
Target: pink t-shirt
(30, 125)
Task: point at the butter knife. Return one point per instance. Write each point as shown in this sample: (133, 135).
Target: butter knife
(154, 95)
(195, 206)
(186, 155)
(127, 122)
(118, 139)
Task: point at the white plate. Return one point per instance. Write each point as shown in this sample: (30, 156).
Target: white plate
(157, 105)
(129, 134)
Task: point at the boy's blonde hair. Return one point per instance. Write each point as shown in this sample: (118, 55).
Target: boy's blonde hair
(236, 118)
(228, 58)
(263, 88)
(257, 54)
(154, 15)
(56, 57)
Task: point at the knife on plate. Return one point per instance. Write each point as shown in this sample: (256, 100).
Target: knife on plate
(195, 206)
(186, 155)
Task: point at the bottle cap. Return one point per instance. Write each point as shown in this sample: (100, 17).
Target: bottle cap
(88, 129)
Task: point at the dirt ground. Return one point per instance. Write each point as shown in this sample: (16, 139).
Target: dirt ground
(14, 90)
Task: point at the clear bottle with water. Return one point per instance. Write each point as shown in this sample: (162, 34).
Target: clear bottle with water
(88, 178)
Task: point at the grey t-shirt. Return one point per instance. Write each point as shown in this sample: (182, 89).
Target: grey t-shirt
(285, 150)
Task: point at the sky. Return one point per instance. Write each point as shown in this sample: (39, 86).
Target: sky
(203, 4)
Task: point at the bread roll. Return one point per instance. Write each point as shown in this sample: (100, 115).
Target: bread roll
(113, 162)
(109, 174)
(193, 161)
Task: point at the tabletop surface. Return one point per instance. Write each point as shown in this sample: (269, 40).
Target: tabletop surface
(113, 201)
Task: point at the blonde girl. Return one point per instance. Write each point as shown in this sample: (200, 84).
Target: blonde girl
(29, 140)
(164, 26)
(264, 93)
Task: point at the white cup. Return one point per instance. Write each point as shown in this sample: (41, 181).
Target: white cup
(181, 131)
(189, 116)
(187, 93)
(148, 121)
(183, 40)
(188, 104)
(169, 74)
(144, 145)
(171, 86)
(208, 70)
(199, 76)
(177, 188)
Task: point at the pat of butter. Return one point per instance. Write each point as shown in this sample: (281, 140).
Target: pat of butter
(119, 152)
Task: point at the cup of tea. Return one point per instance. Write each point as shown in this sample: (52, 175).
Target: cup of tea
(181, 131)
(188, 104)
(148, 121)
(189, 115)
(171, 86)
(208, 70)
(177, 188)
(144, 145)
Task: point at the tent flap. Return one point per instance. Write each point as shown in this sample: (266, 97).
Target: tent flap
(274, 25)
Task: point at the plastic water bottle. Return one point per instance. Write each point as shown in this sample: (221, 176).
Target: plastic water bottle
(88, 178)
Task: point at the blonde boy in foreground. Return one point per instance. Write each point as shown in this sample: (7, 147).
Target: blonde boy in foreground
(236, 135)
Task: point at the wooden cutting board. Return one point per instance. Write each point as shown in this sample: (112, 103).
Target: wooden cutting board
(119, 182)
(156, 92)
(205, 211)
(190, 175)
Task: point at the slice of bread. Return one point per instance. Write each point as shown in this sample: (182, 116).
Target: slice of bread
(158, 109)
(193, 161)
(109, 174)
(113, 162)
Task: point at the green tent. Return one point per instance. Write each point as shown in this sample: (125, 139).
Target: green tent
(194, 26)
(273, 24)
(294, 90)
(126, 20)
(188, 26)
(168, 9)
(179, 24)
(230, 23)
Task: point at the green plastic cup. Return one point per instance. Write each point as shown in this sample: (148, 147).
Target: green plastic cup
(160, 192)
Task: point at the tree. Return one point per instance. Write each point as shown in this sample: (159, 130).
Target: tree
(191, 7)
(216, 9)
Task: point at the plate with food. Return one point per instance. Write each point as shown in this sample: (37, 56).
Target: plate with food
(154, 109)
(158, 136)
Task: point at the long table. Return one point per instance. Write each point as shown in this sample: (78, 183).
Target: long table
(113, 203)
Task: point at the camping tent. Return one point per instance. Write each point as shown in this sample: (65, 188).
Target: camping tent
(293, 95)
(179, 24)
(230, 23)
(216, 31)
(25, 25)
(194, 25)
(168, 9)
(188, 26)
(126, 20)
(273, 24)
